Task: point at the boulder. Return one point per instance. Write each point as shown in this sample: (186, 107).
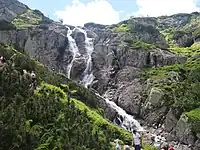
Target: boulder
(129, 98)
(155, 97)
(155, 118)
(163, 57)
(183, 39)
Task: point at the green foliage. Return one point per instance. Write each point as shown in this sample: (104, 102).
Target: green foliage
(149, 147)
(161, 72)
(47, 118)
(136, 44)
(168, 34)
(83, 94)
(26, 20)
(194, 118)
(188, 51)
(122, 28)
(183, 94)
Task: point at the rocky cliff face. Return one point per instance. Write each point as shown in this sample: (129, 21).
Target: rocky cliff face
(119, 56)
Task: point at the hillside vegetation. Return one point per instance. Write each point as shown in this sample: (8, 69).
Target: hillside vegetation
(47, 118)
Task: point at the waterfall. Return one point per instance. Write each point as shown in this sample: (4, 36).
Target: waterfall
(72, 48)
(128, 122)
(123, 119)
(88, 76)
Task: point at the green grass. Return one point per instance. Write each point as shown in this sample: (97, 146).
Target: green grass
(188, 51)
(26, 20)
(122, 28)
(161, 72)
(142, 45)
(100, 122)
(168, 34)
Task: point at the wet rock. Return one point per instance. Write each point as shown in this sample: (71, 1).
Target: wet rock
(80, 40)
(78, 67)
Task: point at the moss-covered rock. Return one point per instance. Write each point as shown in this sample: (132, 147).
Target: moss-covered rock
(194, 118)
(121, 28)
(29, 19)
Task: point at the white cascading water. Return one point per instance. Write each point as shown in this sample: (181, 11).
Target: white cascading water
(72, 48)
(128, 122)
(88, 76)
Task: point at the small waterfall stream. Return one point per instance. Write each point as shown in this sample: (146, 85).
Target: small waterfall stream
(128, 122)
(72, 48)
(88, 76)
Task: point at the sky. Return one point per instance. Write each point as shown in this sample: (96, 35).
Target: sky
(79, 12)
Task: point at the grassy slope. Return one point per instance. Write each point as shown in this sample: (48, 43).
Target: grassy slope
(30, 19)
(42, 115)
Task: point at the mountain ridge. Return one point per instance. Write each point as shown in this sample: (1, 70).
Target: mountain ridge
(137, 63)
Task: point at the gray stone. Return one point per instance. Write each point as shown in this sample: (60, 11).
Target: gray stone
(170, 121)
(78, 67)
(155, 97)
(130, 98)
(128, 74)
(11, 9)
(80, 40)
(183, 131)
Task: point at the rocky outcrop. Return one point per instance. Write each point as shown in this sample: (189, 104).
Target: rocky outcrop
(78, 67)
(80, 40)
(183, 39)
(9, 10)
(171, 120)
(129, 97)
(118, 67)
(183, 131)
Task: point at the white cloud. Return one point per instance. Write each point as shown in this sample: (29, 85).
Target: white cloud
(98, 11)
(165, 7)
